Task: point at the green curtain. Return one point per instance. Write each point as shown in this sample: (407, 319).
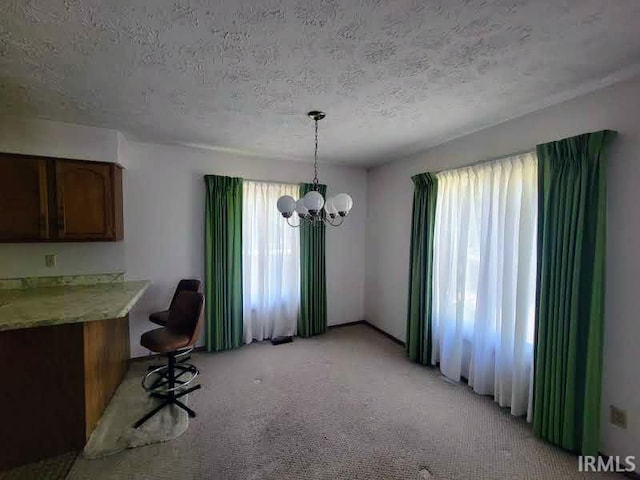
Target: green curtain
(313, 277)
(223, 263)
(570, 290)
(418, 334)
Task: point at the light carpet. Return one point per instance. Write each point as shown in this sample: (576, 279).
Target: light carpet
(345, 405)
(130, 402)
(54, 468)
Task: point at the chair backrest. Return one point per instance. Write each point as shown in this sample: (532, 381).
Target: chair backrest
(186, 284)
(186, 315)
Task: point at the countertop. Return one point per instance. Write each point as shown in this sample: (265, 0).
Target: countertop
(57, 305)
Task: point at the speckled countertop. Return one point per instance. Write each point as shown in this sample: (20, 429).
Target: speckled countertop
(70, 303)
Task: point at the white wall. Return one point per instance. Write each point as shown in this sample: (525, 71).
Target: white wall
(58, 139)
(164, 223)
(19, 260)
(63, 140)
(389, 224)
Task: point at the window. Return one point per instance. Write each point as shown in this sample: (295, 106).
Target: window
(484, 277)
(270, 263)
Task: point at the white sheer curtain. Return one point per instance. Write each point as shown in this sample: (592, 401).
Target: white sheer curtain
(484, 278)
(270, 263)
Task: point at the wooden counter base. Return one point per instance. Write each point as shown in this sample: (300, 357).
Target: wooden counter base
(55, 382)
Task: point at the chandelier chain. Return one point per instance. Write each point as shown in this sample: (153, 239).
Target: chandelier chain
(315, 162)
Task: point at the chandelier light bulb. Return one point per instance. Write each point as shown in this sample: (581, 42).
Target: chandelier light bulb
(313, 202)
(330, 208)
(301, 209)
(343, 203)
(286, 205)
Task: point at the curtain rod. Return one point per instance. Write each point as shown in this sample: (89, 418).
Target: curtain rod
(271, 181)
(486, 161)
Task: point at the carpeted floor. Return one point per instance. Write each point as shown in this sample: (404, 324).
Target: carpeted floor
(346, 405)
(54, 468)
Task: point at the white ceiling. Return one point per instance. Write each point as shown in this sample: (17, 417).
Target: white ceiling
(393, 76)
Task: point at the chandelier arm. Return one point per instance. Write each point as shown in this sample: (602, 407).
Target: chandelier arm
(292, 225)
(341, 221)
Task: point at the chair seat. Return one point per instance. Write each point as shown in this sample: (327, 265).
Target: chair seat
(163, 340)
(160, 318)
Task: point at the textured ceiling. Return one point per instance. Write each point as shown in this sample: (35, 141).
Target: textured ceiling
(393, 76)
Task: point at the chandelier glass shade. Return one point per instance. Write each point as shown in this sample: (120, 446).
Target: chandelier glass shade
(313, 208)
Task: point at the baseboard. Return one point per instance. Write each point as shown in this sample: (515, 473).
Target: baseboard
(348, 324)
(370, 325)
(388, 335)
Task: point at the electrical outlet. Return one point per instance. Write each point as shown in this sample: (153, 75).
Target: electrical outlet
(50, 260)
(618, 417)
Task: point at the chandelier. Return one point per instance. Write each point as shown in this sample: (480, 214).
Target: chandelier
(312, 209)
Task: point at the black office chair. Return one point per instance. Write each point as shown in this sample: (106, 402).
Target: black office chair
(182, 331)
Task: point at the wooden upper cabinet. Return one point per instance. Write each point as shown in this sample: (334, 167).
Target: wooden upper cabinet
(46, 199)
(85, 200)
(23, 199)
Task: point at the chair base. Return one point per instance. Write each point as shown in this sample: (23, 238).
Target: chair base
(161, 382)
(175, 388)
(162, 379)
(169, 399)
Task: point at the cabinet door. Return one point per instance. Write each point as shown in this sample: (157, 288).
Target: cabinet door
(23, 199)
(85, 207)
